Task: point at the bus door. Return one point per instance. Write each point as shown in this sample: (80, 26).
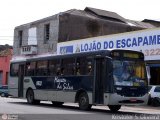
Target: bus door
(20, 80)
(98, 90)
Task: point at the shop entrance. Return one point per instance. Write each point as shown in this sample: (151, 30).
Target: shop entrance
(155, 75)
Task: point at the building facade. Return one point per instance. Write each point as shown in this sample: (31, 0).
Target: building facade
(42, 36)
(5, 57)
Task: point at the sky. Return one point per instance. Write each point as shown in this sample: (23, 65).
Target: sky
(17, 12)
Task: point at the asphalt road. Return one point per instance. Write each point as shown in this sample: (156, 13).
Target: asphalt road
(18, 109)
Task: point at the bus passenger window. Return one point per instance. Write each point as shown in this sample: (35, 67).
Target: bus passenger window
(27, 69)
(84, 65)
(30, 68)
(42, 68)
(78, 72)
(68, 66)
(89, 70)
(54, 66)
(81, 65)
(14, 69)
(58, 72)
(62, 71)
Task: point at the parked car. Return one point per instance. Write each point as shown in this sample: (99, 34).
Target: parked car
(4, 91)
(154, 96)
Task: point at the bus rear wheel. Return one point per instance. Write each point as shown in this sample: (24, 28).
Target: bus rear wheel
(84, 102)
(114, 108)
(30, 97)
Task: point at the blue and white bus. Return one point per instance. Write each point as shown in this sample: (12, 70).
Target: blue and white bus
(108, 77)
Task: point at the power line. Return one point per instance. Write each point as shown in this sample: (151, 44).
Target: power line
(24, 36)
(5, 40)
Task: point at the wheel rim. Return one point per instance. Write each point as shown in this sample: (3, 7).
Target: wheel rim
(2, 94)
(83, 101)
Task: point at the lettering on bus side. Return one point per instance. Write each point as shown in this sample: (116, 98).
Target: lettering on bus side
(38, 83)
(62, 84)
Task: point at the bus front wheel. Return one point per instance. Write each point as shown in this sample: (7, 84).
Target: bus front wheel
(30, 97)
(114, 108)
(84, 101)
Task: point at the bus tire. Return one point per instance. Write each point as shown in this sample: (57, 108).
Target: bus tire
(155, 102)
(55, 103)
(114, 108)
(2, 94)
(84, 102)
(30, 97)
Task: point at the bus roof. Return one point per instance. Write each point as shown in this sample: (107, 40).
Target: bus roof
(50, 56)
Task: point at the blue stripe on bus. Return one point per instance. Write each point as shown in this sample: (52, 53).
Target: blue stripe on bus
(64, 83)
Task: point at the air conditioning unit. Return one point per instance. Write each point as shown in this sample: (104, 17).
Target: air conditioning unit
(29, 50)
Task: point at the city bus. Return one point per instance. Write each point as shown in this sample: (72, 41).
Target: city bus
(107, 77)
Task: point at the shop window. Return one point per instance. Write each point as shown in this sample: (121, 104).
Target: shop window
(20, 37)
(46, 33)
(32, 36)
(6, 78)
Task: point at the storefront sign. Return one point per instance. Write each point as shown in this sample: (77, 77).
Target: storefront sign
(147, 41)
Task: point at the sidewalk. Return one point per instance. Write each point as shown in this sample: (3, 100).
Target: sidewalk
(135, 109)
(141, 109)
(145, 107)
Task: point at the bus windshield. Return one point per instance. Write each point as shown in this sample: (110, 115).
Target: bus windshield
(129, 73)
